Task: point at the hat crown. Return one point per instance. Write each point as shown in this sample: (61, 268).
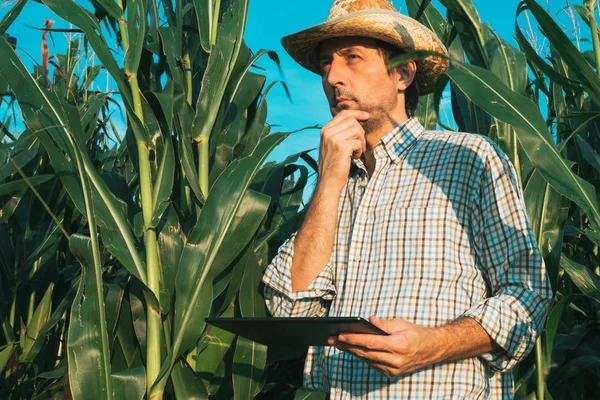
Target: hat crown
(343, 7)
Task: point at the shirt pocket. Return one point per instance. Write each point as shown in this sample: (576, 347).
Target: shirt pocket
(424, 243)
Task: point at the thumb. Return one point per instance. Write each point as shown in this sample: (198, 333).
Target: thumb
(390, 325)
(381, 324)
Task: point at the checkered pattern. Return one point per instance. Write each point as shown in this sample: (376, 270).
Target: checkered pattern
(439, 232)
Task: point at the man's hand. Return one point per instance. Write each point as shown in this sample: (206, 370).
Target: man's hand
(341, 139)
(408, 348)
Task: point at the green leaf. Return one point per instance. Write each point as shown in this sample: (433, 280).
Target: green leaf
(183, 127)
(54, 319)
(248, 365)
(16, 186)
(252, 303)
(488, 92)
(163, 186)
(547, 211)
(212, 348)
(111, 7)
(574, 368)
(166, 101)
(11, 16)
(305, 394)
(204, 14)
(246, 222)
(186, 383)
(38, 320)
(588, 152)
(5, 355)
(250, 358)
(170, 246)
(468, 116)
(220, 66)
(42, 110)
(84, 20)
(565, 47)
(130, 384)
(552, 323)
(585, 279)
(204, 242)
(428, 15)
(21, 159)
(535, 59)
(199, 311)
(89, 114)
(88, 344)
(136, 33)
(472, 33)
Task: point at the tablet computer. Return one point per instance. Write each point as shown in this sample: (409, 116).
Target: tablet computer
(294, 331)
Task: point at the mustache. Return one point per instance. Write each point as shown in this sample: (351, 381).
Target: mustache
(343, 92)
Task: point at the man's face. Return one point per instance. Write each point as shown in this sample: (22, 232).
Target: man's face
(355, 77)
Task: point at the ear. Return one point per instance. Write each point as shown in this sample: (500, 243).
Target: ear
(406, 74)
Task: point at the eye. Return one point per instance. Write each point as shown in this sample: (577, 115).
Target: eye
(353, 56)
(324, 63)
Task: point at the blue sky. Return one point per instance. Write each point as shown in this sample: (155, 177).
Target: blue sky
(268, 22)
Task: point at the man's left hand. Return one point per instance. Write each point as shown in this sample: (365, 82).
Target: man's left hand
(409, 347)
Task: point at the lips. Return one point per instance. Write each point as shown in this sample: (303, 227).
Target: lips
(339, 100)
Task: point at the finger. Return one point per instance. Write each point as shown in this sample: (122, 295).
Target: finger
(352, 131)
(381, 324)
(390, 325)
(354, 148)
(371, 342)
(382, 369)
(366, 354)
(351, 115)
(346, 129)
(356, 114)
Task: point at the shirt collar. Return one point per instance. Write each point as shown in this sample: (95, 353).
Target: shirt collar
(396, 142)
(400, 139)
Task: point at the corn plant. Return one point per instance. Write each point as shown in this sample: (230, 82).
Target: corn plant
(117, 245)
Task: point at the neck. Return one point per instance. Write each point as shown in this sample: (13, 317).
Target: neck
(373, 136)
(379, 128)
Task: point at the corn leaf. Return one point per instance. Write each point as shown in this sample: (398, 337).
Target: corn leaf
(204, 242)
(488, 92)
(87, 346)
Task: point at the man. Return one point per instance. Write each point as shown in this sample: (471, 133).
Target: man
(424, 232)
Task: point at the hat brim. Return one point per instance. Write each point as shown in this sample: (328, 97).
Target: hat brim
(389, 26)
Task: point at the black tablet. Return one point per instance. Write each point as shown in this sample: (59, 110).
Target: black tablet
(294, 331)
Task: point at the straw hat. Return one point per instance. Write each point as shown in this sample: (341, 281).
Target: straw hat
(377, 19)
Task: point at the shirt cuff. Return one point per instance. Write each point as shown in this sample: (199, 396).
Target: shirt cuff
(502, 322)
(278, 287)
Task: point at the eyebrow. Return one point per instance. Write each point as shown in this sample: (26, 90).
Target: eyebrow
(343, 51)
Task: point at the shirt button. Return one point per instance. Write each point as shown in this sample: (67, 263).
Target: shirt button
(363, 217)
(356, 259)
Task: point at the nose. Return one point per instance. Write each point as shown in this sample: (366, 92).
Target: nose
(335, 75)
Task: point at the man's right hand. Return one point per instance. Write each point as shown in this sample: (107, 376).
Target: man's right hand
(342, 138)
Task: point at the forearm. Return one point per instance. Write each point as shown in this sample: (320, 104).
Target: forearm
(314, 241)
(461, 339)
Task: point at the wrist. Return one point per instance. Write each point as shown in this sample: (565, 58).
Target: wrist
(329, 187)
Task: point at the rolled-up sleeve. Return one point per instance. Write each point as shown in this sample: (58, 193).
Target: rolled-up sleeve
(314, 301)
(509, 258)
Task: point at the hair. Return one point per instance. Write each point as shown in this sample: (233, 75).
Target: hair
(411, 95)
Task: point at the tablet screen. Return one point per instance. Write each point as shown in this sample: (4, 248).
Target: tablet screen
(294, 331)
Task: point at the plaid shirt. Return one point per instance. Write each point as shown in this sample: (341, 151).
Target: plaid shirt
(439, 232)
